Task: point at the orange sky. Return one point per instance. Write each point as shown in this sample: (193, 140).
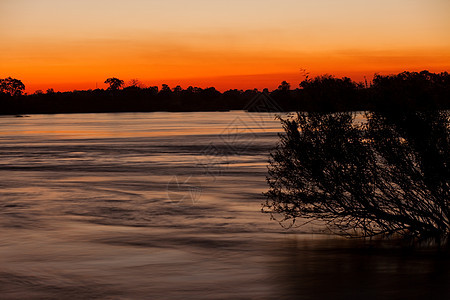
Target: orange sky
(69, 45)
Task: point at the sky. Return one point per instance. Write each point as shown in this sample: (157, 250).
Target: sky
(68, 44)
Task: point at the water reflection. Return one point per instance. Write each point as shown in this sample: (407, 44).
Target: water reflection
(353, 269)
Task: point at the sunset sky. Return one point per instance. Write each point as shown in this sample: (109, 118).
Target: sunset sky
(66, 44)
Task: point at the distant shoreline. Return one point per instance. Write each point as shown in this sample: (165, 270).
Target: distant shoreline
(404, 91)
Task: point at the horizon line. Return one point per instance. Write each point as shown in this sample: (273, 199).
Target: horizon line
(221, 83)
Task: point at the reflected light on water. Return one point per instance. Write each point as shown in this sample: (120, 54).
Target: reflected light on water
(167, 205)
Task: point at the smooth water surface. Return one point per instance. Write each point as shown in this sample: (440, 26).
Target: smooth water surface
(167, 205)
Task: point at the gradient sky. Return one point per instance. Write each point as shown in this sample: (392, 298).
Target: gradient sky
(68, 44)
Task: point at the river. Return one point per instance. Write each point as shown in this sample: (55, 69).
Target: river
(168, 206)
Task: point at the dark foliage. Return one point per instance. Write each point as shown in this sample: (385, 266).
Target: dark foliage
(11, 86)
(413, 90)
(114, 83)
(341, 92)
(405, 91)
(388, 174)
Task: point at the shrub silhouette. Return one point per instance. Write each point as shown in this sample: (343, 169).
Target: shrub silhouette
(387, 175)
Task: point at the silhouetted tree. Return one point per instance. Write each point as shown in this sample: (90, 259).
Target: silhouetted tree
(11, 86)
(165, 88)
(177, 89)
(136, 83)
(114, 83)
(284, 86)
(411, 90)
(387, 175)
(328, 93)
(153, 90)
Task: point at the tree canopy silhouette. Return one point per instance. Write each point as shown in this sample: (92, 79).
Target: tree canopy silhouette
(387, 175)
(328, 93)
(284, 86)
(418, 90)
(114, 83)
(11, 86)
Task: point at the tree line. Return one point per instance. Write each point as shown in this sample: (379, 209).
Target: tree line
(403, 91)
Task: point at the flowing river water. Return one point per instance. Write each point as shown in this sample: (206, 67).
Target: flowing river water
(168, 206)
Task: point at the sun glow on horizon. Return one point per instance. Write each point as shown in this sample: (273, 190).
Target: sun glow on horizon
(70, 45)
